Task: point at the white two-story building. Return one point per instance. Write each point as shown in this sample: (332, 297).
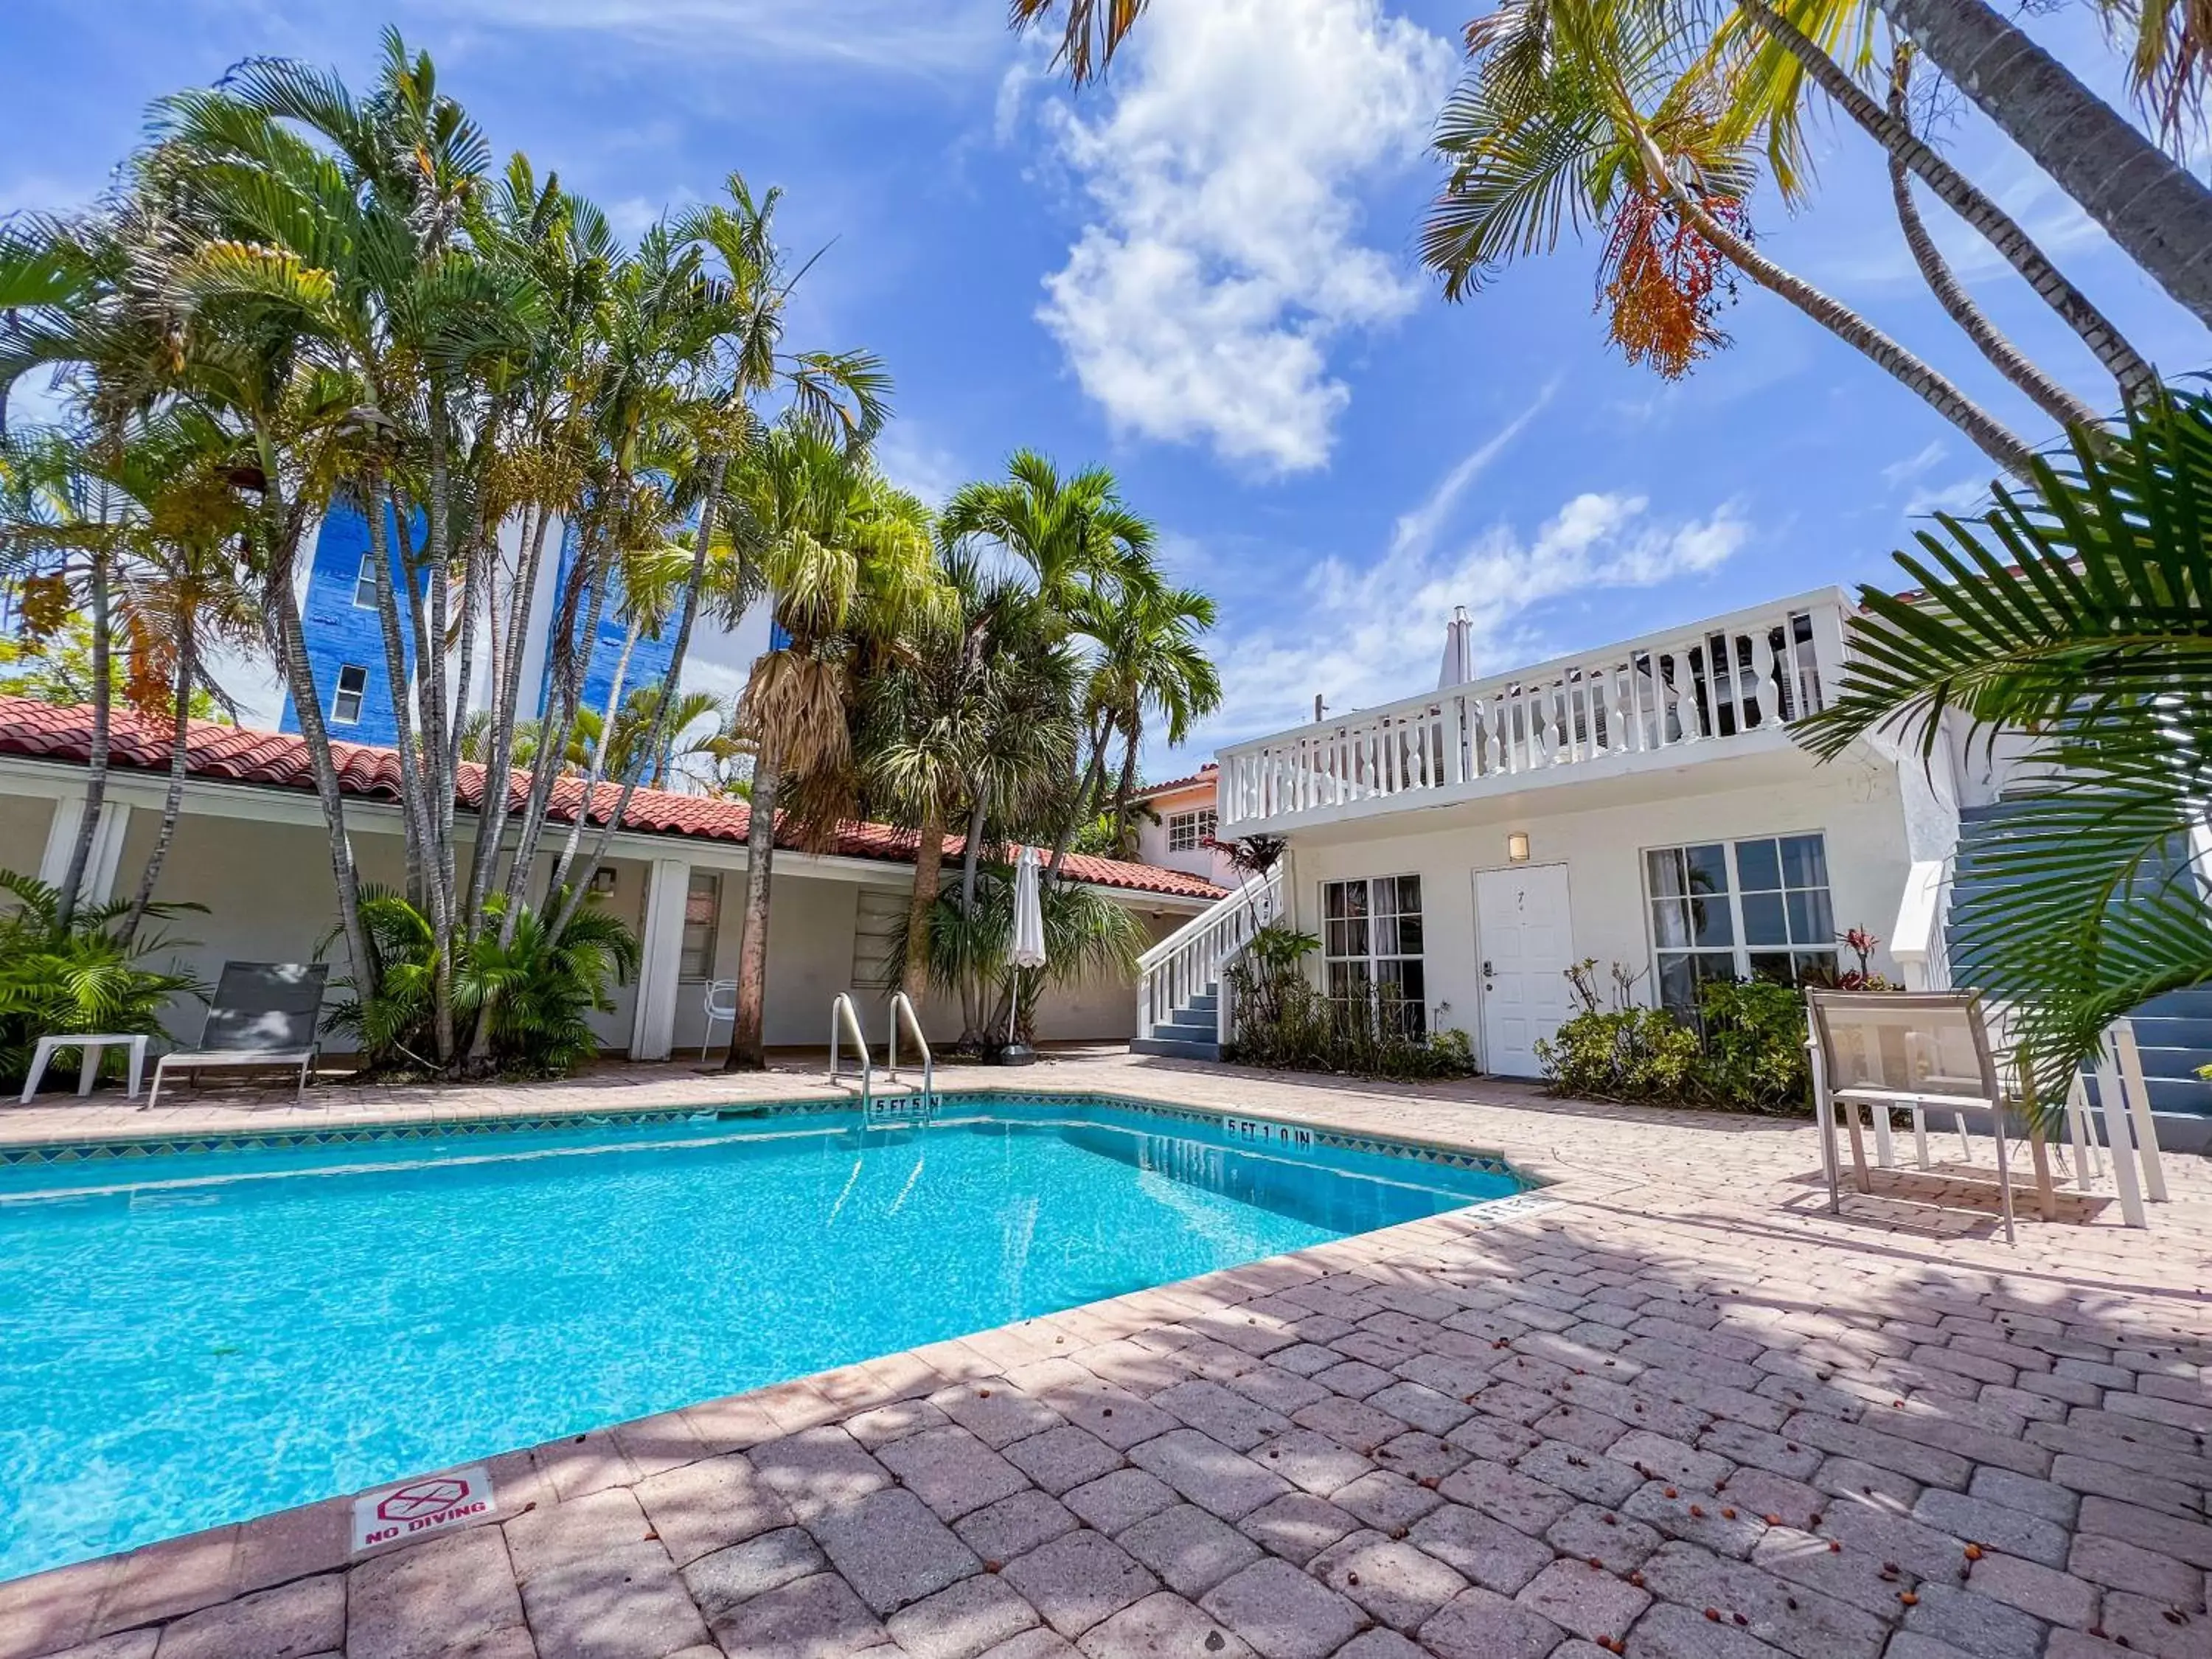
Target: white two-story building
(1640, 803)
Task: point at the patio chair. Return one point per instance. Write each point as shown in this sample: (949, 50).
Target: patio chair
(1879, 1049)
(717, 1008)
(263, 1016)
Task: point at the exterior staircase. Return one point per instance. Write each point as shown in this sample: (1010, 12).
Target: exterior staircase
(2175, 1031)
(1193, 1031)
(1179, 981)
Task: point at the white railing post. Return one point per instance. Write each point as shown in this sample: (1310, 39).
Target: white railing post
(1916, 941)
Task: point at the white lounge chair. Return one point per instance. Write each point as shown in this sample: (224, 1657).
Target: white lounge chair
(264, 1015)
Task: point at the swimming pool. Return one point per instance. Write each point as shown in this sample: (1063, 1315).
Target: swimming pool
(206, 1332)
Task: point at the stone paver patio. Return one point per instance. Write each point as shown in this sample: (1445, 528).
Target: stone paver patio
(1673, 1410)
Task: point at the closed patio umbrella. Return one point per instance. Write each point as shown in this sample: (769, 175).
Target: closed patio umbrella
(1027, 948)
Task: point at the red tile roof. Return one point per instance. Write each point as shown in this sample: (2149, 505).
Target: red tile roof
(278, 760)
(1208, 772)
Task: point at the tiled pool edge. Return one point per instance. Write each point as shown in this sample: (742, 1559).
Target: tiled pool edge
(122, 1147)
(66, 1607)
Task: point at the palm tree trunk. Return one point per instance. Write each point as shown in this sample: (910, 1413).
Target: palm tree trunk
(412, 803)
(574, 664)
(929, 872)
(96, 758)
(567, 857)
(1081, 812)
(492, 812)
(658, 734)
(2159, 213)
(307, 706)
(2008, 359)
(179, 754)
(1989, 435)
(748, 1051)
(1127, 784)
(971, 853)
(1893, 129)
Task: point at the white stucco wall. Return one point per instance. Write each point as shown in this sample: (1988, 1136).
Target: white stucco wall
(261, 868)
(1855, 804)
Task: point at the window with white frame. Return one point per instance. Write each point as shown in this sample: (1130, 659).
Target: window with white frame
(364, 582)
(703, 911)
(1744, 909)
(1371, 946)
(1188, 831)
(352, 690)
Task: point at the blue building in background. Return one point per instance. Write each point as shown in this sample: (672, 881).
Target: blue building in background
(345, 637)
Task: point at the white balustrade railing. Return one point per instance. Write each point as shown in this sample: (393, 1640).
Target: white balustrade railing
(1177, 971)
(1733, 676)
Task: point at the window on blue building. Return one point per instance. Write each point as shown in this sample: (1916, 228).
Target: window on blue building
(364, 583)
(353, 688)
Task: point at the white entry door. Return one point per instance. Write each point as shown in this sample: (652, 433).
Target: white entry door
(1527, 945)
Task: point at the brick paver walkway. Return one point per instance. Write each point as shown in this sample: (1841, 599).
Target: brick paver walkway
(1674, 1411)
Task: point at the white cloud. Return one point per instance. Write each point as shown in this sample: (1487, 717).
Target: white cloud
(1913, 467)
(1370, 634)
(1223, 255)
(912, 462)
(1960, 497)
(1416, 530)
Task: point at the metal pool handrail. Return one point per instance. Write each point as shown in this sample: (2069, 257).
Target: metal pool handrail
(903, 1003)
(842, 1019)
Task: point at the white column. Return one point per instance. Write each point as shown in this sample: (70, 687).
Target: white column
(661, 954)
(99, 881)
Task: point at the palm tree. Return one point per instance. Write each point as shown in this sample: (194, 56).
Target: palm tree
(2078, 611)
(972, 723)
(2008, 359)
(1088, 553)
(851, 563)
(1766, 93)
(182, 598)
(1577, 106)
(1151, 662)
(2158, 213)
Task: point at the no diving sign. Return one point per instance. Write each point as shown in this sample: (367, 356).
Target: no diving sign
(422, 1507)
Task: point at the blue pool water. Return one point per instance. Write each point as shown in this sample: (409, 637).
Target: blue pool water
(190, 1340)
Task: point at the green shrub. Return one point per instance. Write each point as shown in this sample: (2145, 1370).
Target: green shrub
(1754, 1049)
(532, 995)
(1749, 1055)
(55, 980)
(1284, 1021)
(1621, 1053)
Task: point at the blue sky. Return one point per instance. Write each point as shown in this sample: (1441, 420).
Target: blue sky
(1202, 274)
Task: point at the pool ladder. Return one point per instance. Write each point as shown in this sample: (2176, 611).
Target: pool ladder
(909, 1105)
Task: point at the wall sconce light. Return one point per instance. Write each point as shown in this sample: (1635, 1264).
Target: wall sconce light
(1516, 847)
(603, 880)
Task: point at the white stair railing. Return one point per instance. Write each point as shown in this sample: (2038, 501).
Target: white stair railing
(1177, 971)
(1920, 943)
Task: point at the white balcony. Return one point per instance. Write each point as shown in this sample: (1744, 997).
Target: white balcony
(1725, 685)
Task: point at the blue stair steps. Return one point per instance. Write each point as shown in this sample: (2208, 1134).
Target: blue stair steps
(2175, 1031)
(1192, 1032)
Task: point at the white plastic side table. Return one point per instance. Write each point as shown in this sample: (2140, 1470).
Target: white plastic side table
(92, 1042)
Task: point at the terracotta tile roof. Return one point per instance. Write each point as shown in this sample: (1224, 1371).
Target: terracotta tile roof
(278, 760)
(1208, 772)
